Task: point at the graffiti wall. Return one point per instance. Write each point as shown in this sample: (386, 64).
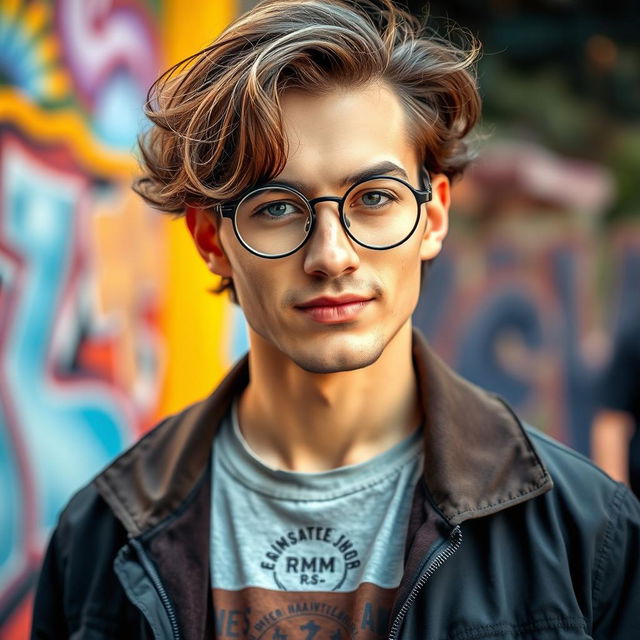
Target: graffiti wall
(532, 287)
(539, 337)
(84, 279)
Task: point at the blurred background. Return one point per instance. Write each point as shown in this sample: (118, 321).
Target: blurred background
(105, 320)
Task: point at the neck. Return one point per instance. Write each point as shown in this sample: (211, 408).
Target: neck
(302, 421)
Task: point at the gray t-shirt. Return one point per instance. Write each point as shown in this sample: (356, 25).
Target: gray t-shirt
(307, 556)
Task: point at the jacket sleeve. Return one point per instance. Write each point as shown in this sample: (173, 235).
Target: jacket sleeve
(48, 612)
(616, 583)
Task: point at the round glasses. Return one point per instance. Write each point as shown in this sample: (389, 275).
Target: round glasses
(274, 220)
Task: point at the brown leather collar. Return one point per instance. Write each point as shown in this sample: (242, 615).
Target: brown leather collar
(478, 458)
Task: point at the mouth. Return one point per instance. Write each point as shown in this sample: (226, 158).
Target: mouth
(328, 310)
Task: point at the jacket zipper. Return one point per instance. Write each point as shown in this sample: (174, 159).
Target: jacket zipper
(157, 583)
(451, 546)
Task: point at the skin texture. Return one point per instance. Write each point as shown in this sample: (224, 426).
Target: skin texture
(324, 395)
(611, 433)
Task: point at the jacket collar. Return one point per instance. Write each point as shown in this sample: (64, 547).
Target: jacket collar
(478, 458)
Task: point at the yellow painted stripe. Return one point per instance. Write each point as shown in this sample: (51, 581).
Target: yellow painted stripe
(36, 16)
(68, 128)
(188, 31)
(194, 322)
(10, 8)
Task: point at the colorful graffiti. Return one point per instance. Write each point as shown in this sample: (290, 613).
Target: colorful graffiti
(80, 348)
(91, 309)
(532, 321)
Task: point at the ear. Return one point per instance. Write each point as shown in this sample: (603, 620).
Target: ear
(203, 227)
(437, 217)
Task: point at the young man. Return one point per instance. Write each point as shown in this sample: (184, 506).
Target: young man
(341, 482)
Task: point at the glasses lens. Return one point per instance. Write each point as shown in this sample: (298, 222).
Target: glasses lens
(380, 213)
(273, 221)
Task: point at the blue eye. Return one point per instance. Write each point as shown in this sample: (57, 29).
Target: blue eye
(375, 199)
(277, 209)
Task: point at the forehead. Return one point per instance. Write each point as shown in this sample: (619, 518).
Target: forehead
(343, 131)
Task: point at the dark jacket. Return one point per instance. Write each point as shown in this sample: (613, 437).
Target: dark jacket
(494, 548)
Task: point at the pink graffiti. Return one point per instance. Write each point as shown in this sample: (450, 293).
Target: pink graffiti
(100, 37)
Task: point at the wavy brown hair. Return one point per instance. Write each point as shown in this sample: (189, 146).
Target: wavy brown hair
(217, 120)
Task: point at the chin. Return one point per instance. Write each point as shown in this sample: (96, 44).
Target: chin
(330, 358)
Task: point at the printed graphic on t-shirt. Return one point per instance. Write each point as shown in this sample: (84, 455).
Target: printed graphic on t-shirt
(310, 556)
(307, 556)
(261, 614)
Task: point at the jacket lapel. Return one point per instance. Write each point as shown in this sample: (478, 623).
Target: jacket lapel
(478, 458)
(147, 483)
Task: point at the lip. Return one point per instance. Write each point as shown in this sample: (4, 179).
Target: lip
(328, 310)
(328, 301)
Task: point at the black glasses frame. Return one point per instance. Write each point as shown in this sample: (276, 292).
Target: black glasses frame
(229, 210)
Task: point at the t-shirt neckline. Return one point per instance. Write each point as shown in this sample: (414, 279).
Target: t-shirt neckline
(248, 468)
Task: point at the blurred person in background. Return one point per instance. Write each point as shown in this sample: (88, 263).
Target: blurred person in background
(358, 488)
(615, 439)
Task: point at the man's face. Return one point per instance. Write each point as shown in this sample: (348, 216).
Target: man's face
(334, 305)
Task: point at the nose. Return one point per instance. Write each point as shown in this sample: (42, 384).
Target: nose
(329, 251)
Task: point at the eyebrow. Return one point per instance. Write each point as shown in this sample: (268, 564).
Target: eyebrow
(383, 168)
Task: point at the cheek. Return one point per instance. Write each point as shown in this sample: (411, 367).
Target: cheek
(258, 292)
(411, 262)
(252, 288)
(247, 277)
(402, 281)
(409, 286)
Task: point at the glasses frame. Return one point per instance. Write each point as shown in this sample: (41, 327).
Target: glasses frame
(229, 210)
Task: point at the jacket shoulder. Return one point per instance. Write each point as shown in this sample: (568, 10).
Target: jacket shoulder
(583, 494)
(581, 537)
(566, 464)
(602, 518)
(88, 522)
